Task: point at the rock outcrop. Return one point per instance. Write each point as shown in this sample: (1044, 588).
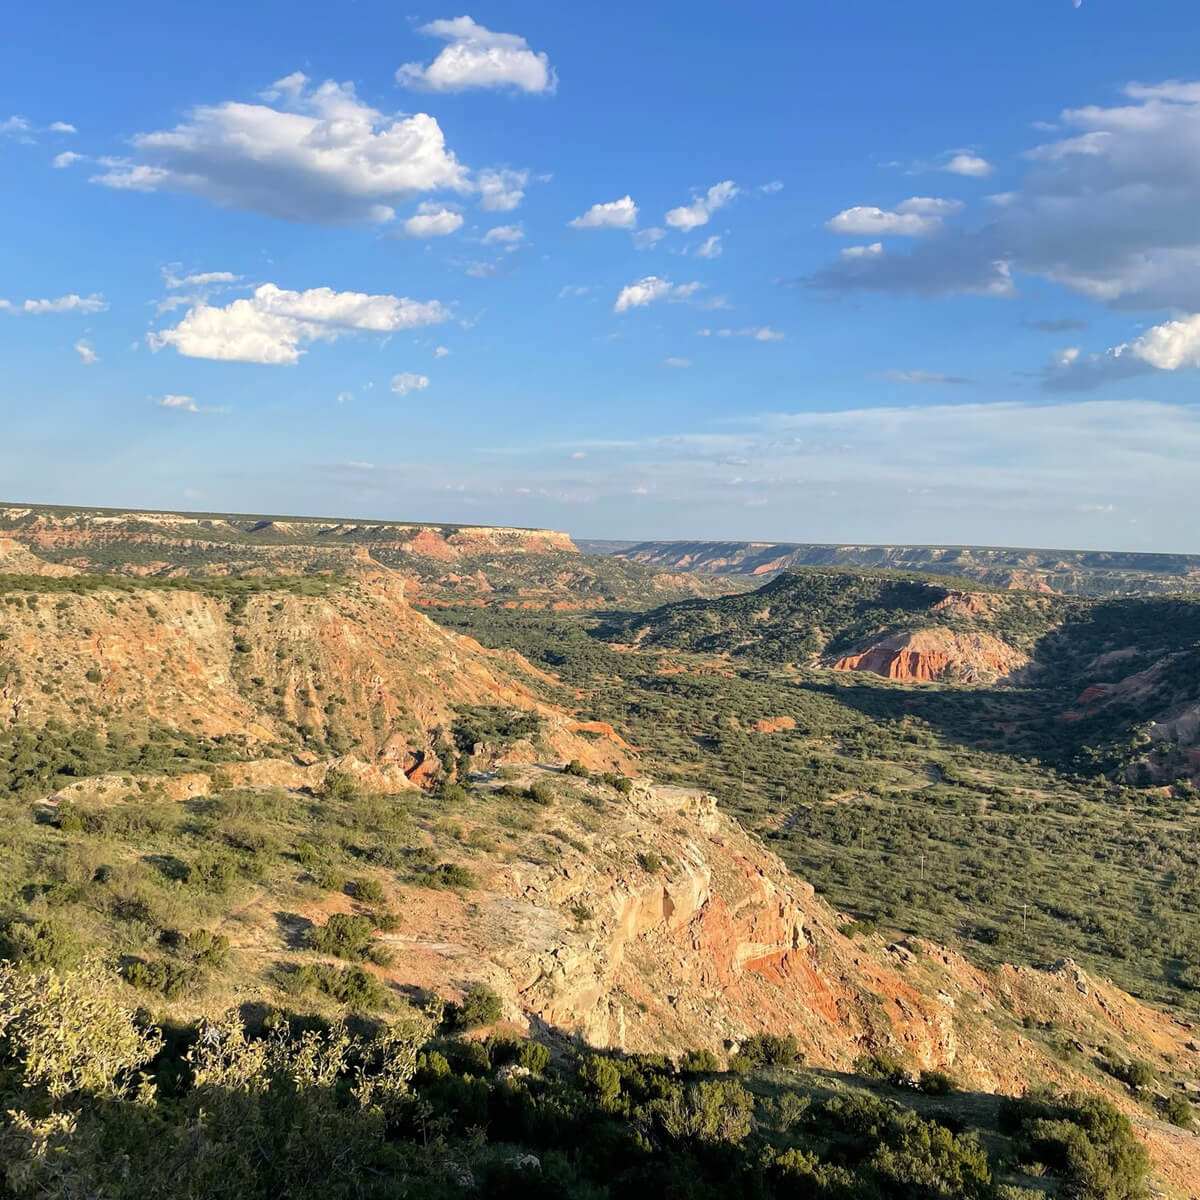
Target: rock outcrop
(356, 667)
(937, 655)
(654, 922)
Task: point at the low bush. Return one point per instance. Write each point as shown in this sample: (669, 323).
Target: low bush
(480, 1005)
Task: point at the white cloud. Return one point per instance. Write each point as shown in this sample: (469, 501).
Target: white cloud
(505, 234)
(875, 248)
(1171, 346)
(917, 216)
(65, 159)
(87, 355)
(651, 288)
(407, 382)
(476, 57)
(15, 126)
(677, 362)
(441, 352)
(710, 248)
(924, 377)
(760, 333)
(970, 165)
(646, 239)
(770, 188)
(501, 189)
(1107, 210)
(689, 216)
(432, 220)
(980, 473)
(274, 325)
(934, 206)
(62, 127)
(344, 397)
(179, 403)
(573, 289)
(198, 279)
(322, 157)
(616, 214)
(62, 304)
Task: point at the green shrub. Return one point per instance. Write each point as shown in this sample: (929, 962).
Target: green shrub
(576, 768)
(453, 875)
(340, 786)
(40, 944)
(308, 854)
(1179, 1112)
(649, 861)
(770, 1050)
(619, 783)
(345, 935)
(881, 1065)
(542, 792)
(367, 891)
(329, 879)
(206, 948)
(699, 1062)
(480, 1005)
(534, 1057)
(214, 870)
(935, 1083)
(351, 986)
(163, 976)
(713, 1110)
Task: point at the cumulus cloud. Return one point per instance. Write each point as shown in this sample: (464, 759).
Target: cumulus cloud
(970, 165)
(179, 403)
(710, 248)
(432, 220)
(651, 288)
(869, 251)
(646, 239)
(87, 355)
(1106, 210)
(1171, 346)
(65, 159)
(677, 362)
(200, 279)
(275, 325)
(23, 130)
(475, 57)
(407, 382)
(441, 352)
(321, 156)
(616, 214)
(690, 216)
(924, 377)
(62, 304)
(504, 234)
(917, 216)
(501, 189)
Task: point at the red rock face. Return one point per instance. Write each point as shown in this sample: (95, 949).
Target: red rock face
(934, 655)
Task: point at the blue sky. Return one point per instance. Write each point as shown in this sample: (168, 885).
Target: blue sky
(863, 272)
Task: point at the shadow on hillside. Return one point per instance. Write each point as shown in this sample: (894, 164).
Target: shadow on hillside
(293, 929)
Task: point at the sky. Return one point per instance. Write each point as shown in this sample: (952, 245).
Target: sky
(857, 273)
